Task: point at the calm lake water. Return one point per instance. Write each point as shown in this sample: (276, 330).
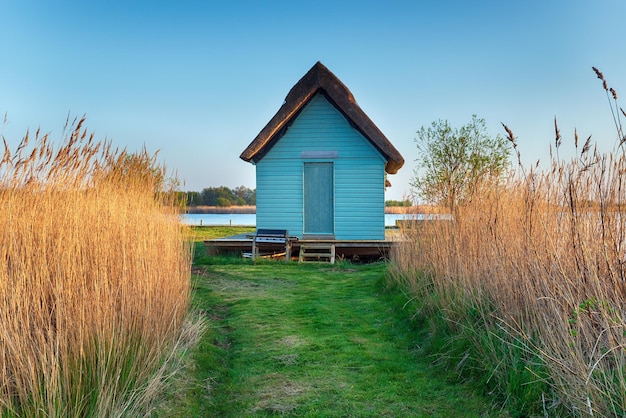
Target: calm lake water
(238, 219)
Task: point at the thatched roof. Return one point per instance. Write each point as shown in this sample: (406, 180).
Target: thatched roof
(320, 79)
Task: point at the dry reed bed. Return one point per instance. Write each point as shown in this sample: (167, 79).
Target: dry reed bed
(535, 268)
(94, 279)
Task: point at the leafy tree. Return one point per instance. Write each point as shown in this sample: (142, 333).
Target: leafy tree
(217, 196)
(225, 196)
(223, 201)
(398, 203)
(251, 197)
(454, 163)
(245, 196)
(222, 196)
(208, 197)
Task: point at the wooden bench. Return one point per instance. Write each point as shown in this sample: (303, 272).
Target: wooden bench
(270, 240)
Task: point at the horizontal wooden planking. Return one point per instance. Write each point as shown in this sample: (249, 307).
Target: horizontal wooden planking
(281, 205)
(359, 215)
(359, 220)
(321, 127)
(294, 152)
(367, 230)
(359, 187)
(281, 201)
(283, 189)
(342, 147)
(345, 208)
(363, 233)
(272, 219)
(363, 200)
(279, 196)
(360, 202)
(279, 210)
(360, 191)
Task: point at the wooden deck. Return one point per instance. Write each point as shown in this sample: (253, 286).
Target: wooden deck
(346, 249)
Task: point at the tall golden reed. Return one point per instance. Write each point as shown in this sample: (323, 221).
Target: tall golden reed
(94, 278)
(536, 269)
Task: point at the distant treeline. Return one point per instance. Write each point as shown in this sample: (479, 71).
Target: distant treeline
(398, 203)
(242, 196)
(222, 196)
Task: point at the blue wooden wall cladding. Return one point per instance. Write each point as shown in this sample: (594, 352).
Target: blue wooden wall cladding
(321, 134)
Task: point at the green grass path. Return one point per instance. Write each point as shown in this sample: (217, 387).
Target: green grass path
(310, 340)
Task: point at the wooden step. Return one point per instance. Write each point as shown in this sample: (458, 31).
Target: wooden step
(317, 252)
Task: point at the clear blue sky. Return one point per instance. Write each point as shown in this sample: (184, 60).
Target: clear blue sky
(198, 80)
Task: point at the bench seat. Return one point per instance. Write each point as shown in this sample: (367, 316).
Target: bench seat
(270, 240)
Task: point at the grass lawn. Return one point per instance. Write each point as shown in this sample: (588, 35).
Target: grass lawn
(201, 233)
(310, 340)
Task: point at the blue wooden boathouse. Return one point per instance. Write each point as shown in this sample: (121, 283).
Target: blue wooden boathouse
(321, 164)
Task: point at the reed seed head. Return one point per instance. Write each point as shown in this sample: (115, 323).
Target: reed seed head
(598, 73)
(509, 135)
(586, 146)
(613, 92)
(558, 138)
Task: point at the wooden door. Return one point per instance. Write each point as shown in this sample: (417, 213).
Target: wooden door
(319, 211)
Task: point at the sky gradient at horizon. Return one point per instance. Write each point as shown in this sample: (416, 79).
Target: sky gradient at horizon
(197, 80)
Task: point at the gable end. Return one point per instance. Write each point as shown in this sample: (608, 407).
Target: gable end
(320, 79)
